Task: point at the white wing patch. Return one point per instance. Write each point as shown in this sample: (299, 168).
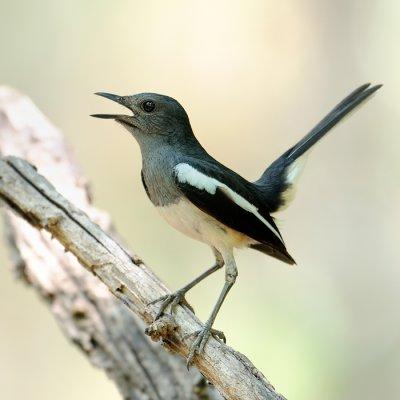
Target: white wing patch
(187, 174)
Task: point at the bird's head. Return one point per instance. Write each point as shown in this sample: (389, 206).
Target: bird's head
(153, 117)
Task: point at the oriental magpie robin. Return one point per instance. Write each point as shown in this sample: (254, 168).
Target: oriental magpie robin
(207, 201)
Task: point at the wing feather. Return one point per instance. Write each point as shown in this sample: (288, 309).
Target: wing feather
(218, 199)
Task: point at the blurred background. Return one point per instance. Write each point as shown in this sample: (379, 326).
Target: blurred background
(254, 77)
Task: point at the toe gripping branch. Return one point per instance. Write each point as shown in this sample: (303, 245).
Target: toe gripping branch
(165, 328)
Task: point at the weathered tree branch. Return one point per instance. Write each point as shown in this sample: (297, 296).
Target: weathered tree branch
(89, 315)
(35, 199)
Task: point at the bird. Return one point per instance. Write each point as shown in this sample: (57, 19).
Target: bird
(207, 201)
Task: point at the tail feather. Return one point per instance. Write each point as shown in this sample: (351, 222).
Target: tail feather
(268, 250)
(278, 180)
(327, 123)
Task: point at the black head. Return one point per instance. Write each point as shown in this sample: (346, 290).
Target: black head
(152, 114)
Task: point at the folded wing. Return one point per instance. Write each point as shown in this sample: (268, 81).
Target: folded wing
(229, 201)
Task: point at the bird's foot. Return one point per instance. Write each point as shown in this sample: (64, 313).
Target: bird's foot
(199, 343)
(172, 299)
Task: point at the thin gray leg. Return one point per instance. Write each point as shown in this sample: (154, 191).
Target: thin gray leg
(203, 335)
(177, 297)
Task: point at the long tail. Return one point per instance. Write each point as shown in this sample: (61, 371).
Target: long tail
(278, 180)
(326, 124)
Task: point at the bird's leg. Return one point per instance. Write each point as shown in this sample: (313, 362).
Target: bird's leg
(179, 296)
(203, 335)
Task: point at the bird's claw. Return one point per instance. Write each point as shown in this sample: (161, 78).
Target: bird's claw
(200, 342)
(172, 299)
(219, 335)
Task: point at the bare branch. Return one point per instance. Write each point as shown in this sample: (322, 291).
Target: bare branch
(35, 199)
(109, 334)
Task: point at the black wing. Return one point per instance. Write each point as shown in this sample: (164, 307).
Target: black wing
(223, 208)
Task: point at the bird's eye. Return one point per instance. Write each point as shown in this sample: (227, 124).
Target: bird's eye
(148, 106)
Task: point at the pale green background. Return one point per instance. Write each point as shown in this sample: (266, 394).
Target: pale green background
(254, 76)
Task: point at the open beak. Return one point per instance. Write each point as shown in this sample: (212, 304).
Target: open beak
(127, 119)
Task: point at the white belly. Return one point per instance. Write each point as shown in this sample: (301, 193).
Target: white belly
(190, 220)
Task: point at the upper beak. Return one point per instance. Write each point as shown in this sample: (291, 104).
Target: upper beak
(117, 99)
(113, 97)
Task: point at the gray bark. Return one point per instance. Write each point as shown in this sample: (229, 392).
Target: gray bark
(107, 331)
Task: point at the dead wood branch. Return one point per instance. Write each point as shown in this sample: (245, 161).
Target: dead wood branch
(103, 328)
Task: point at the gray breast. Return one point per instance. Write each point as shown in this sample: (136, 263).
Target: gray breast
(158, 177)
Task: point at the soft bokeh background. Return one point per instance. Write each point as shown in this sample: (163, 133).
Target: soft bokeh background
(254, 76)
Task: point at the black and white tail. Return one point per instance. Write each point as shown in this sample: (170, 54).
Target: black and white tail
(277, 183)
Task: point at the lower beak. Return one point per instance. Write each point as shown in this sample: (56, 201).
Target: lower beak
(107, 116)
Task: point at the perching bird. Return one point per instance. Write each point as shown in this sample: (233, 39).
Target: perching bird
(207, 201)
